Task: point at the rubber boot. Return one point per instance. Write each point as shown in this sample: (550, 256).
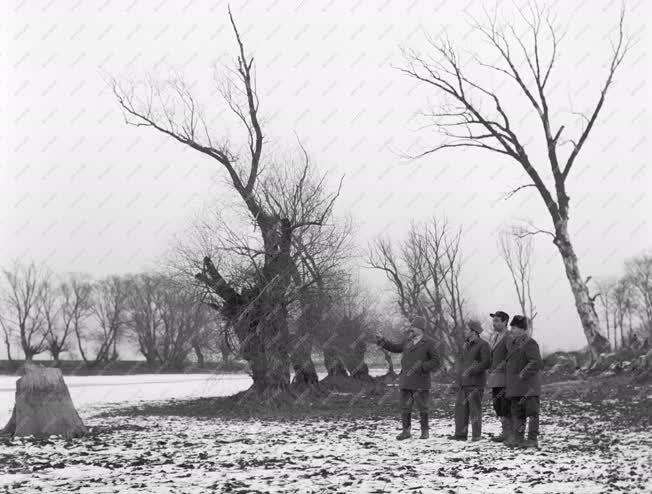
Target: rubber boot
(518, 433)
(504, 433)
(406, 419)
(425, 429)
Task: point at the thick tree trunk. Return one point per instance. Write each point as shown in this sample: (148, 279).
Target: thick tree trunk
(259, 314)
(333, 363)
(201, 362)
(390, 363)
(263, 335)
(354, 361)
(301, 357)
(43, 406)
(585, 309)
(8, 345)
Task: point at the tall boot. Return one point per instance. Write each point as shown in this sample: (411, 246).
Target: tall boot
(406, 419)
(504, 433)
(518, 433)
(532, 440)
(425, 429)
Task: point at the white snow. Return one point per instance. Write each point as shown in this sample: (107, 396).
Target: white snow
(93, 393)
(199, 455)
(196, 455)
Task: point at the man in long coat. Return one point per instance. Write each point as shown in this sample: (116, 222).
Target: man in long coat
(472, 377)
(418, 361)
(496, 379)
(523, 384)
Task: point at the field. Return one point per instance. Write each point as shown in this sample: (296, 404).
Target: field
(173, 433)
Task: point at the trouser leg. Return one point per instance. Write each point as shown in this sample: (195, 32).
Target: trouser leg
(502, 407)
(475, 410)
(518, 418)
(422, 399)
(532, 412)
(462, 413)
(407, 400)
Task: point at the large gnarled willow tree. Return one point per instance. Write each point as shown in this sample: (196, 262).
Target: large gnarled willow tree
(257, 312)
(475, 116)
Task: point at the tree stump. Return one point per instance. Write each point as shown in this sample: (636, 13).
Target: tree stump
(43, 406)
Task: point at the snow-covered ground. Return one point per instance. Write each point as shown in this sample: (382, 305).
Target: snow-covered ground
(91, 394)
(166, 455)
(582, 451)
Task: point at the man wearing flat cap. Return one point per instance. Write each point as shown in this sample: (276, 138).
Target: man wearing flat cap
(496, 379)
(418, 361)
(523, 366)
(473, 363)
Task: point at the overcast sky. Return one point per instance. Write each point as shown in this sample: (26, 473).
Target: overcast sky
(82, 191)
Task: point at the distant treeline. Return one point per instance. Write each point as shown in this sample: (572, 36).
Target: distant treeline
(124, 367)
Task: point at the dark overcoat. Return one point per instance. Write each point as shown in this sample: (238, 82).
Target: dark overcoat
(417, 361)
(474, 361)
(496, 378)
(523, 367)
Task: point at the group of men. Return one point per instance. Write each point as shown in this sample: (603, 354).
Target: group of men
(509, 363)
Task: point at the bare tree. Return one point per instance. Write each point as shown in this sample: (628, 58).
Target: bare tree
(109, 310)
(475, 116)
(425, 275)
(296, 191)
(258, 313)
(144, 301)
(622, 303)
(605, 296)
(56, 329)
(638, 272)
(77, 293)
(345, 329)
(23, 316)
(516, 250)
(6, 331)
(183, 316)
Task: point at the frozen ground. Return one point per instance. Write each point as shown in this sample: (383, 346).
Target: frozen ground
(97, 393)
(585, 448)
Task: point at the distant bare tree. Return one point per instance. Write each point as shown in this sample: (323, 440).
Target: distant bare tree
(425, 275)
(22, 311)
(622, 304)
(475, 116)
(56, 328)
(109, 309)
(77, 293)
(144, 318)
(6, 332)
(638, 272)
(605, 297)
(183, 317)
(516, 250)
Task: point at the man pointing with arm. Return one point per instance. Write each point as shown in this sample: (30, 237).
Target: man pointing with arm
(418, 361)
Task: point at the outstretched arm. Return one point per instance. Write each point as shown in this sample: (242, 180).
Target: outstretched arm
(390, 346)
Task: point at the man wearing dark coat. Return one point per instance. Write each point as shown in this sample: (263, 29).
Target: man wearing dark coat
(523, 366)
(496, 379)
(418, 361)
(473, 363)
